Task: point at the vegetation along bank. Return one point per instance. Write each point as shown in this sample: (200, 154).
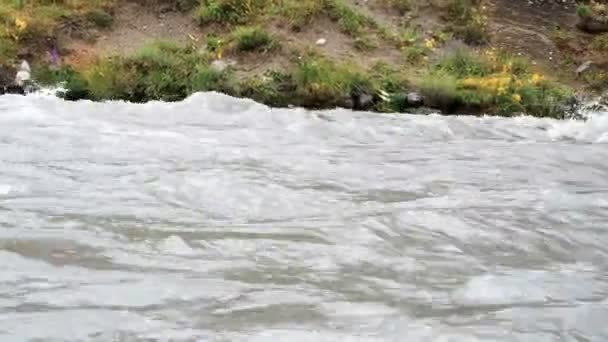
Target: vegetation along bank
(502, 57)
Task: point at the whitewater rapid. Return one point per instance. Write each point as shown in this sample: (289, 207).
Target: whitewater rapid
(219, 219)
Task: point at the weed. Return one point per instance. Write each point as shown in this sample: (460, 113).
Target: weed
(254, 39)
(300, 13)
(206, 78)
(464, 63)
(402, 6)
(321, 82)
(468, 22)
(230, 11)
(8, 51)
(600, 43)
(100, 18)
(584, 11)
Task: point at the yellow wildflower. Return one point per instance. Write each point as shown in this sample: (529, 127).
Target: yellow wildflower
(21, 24)
(430, 43)
(537, 78)
(516, 98)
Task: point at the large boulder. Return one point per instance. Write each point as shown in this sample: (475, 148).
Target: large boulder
(592, 25)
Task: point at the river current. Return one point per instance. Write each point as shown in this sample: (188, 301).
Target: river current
(218, 219)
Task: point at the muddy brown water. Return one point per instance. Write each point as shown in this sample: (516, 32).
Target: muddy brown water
(217, 219)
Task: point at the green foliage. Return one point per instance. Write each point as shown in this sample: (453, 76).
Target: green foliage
(584, 11)
(351, 21)
(208, 79)
(600, 43)
(76, 85)
(253, 39)
(160, 71)
(561, 37)
(494, 82)
(187, 5)
(8, 51)
(274, 89)
(464, 63)
(440, 90)
(468, 23)
(363, 43)
(214, 43)
(321, 82)
(100, 18)
(402, 6)
(300, 13)
(230, 11)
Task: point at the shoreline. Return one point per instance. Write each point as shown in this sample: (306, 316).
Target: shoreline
(451, 55)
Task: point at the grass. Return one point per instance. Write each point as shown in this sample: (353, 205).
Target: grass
(401, 6)
(249, 39)
(8, 51)
(301, 13)
(492, 82)
(584, 11)
(100, 18)
(27, 23)
(321, 82)
(463, 81)
(600, 43)
(225, 12)
(468, 22)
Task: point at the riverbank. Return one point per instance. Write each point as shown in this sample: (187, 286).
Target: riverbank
(455, 56)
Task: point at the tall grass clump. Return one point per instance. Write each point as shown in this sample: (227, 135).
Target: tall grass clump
(226, 12)
(300, 13)
(253, 39)
(468, 22)
(321, 82)
(492, 82)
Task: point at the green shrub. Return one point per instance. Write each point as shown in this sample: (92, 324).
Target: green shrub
(208, 79)
(111, 79)
(600, 43)
(440, 90)
(187, 5)
(253, 39)
(546, 99)
(100, 18)
(584, 11)
(230, 11)
(468, 23)
(321, 82)
(8, 51)
(492, 82)
(464, 63)
(273, 89)
(350, 21)
(300, 13)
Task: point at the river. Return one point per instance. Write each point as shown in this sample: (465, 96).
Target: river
(217, 219)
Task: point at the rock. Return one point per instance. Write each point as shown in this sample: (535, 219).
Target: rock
(347, 103)
(14, 89)
(23, 75)
(603, 100)
(584, 67)
(414, 99)
(363, 101)
(221, 65)
(591, 25)
(321, 41)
